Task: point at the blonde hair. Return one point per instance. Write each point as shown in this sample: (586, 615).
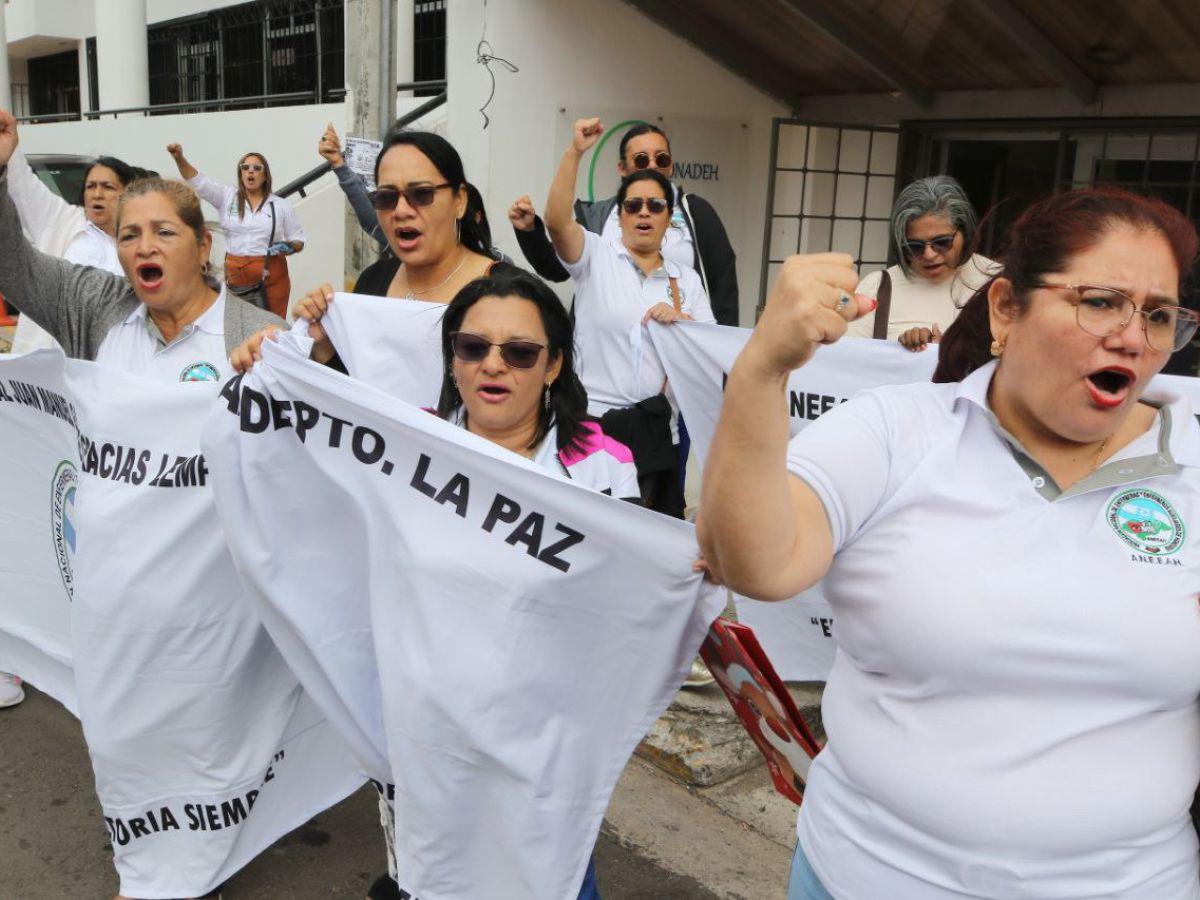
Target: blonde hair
(182, 197)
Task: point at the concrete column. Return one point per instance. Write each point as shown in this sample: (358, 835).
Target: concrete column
(370, 95)
(85, 81)
(5, 77)
(122, 63)
(405, 34)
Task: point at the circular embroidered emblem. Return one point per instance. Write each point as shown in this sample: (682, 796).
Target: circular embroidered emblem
(62, 521)
(200, 371)
(1147, 522)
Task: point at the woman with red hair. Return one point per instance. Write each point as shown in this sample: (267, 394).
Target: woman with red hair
(1012, 560)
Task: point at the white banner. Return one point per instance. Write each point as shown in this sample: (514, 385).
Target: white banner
(527, 631)
(796, 634)
(204, 747)
(394, 345)
(39, 477)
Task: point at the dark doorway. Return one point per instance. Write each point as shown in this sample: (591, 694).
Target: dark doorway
(54, 84)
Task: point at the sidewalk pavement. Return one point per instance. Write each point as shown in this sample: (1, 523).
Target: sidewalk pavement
(661, 840)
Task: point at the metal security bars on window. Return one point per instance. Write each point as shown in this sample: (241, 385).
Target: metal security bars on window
(831, 188)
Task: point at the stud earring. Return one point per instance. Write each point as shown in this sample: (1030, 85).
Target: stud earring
(997, 348)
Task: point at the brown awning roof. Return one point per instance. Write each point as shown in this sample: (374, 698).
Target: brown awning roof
(801, 48)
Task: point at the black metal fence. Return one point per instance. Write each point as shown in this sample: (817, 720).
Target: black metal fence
(238, 57)
(429, 43)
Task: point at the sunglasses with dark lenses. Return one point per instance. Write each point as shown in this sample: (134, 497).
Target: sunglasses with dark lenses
(633, 205)
(387, 199)
(662, 160)
(940, 244)
(473, 348)
(251, 167)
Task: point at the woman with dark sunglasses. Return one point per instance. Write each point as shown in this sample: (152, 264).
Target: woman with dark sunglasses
(696, 237)
(261, 229)
(439, 241)
(508, 353)
(933, 229)
(619, 287)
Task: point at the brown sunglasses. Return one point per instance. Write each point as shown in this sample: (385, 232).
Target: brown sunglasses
(662, 160)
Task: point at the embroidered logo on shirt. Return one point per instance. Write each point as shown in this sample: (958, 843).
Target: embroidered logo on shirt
(62, 521)
(200, 371)
(1147, 522)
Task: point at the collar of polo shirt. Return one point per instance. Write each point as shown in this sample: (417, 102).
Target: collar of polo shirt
(1178, 443)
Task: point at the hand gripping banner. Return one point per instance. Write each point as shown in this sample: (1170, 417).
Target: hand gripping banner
(527, 631)
(205, 748)
(393, 345)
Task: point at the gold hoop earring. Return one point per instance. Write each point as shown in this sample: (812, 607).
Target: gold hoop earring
(997, 349)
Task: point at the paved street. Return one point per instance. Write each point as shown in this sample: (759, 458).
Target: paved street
(53, 843)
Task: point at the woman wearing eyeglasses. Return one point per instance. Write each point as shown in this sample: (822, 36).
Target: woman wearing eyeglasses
(618, 287)
(696, 237)
(261, 228)
(1012, 559)
(933, 228)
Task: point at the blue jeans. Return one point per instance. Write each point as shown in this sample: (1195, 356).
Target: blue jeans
(804, 884)
(589, 891)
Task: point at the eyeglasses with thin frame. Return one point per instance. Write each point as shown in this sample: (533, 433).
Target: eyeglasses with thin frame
(251, 167)
(633, 205)
(1104, 311)
(473, 348)
(386, 199)
(943, 243)
(662, 160)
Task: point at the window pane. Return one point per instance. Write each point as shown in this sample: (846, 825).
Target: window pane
(851, 195)
(853, 155)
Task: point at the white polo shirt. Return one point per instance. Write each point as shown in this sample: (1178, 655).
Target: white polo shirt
(678, 244)
(249, 235)
(92, 247)
(611, 297)
(1012, 710)
(196, 354)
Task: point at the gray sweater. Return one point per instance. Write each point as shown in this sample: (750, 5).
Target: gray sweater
(78, 305)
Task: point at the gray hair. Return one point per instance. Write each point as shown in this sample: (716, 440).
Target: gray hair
(939, 195)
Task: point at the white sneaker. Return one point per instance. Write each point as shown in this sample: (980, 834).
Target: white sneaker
(11, 692)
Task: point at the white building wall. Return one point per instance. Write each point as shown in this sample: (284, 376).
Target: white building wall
(214, 142)
(604, 57)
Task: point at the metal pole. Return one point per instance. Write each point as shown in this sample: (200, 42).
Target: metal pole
(317, 38)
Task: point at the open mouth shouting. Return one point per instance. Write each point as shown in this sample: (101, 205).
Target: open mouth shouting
(644, 228)
(1109, 387)
(407, 239)
(149, 276)
(492, 392)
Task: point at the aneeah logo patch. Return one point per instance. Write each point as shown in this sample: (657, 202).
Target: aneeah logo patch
(1147, 522)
